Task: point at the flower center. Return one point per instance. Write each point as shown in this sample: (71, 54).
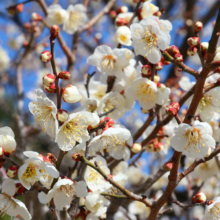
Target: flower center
(108, 62)
(206, 101)
(58, 17)
(75, 128)
(30, 172)
(123, 38)
(150, 38)
(194, 138)
(94, 176)
(146, 92)
(215, 210)
(6, 204)
(91, 107)
(43, 114)
(68, 190)
(99, 93)
(74, 20)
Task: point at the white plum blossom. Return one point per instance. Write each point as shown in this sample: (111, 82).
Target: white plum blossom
(5, 60)
(148, 38)
(71, 94)
(115, 141)
(63, 193)
(75, 129)
(56, 15)
(96, 204)
(7, 141)
(145, 92)
(110, 62)
(138, 208)
(9, 205)
(148, 9)
(119, 215)
(94, 180)
(113, 100)
(35, 169)
(193, 141)
(44, 111)
(123, 36)
(213, 210)
(76, 17)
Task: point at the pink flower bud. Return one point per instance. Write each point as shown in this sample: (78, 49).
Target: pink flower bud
(193, 41)
(110, 122)
(54, 31)
(12, 171)
(62, 115)
(168, 166)
(191, 51)
(170, 110)
(27, 25)
(123, 9)
(156, 79)
(113, 14)
(200, 197)
(198, 26)
(158, 14)
(146, 71)
(159, 66)
(71, 94)
(173, 50)
(19, 188)
(204, 47)
(161, 87)
(150, 148)
(120, 21)
(175, 105)
(65, 75)
(158, 147)
(76, 157)
(1, 152)
(46, 56)
(50, 89)
(49, 79)
(19, 8)
(178, 58)
(136, 148)
(36, 17)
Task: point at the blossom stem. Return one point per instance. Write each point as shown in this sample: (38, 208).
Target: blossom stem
(11, 161)
(89, 76)
(135, 13)
(178, 119)
(115, 196)
(126, 192)
(153, 72)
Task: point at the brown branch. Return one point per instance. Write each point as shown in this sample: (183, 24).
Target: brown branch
(11, 161)
(89, 76)
(110, 83)
(165, 211)
(108, 112)
(135, 13)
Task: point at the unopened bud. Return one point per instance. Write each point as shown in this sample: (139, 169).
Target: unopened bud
(156, 79)
(76, 157)
(113, 14)
(204, 47)
(120, 21)
(136, 148)
(164, 62)
(193, 41)
(122, 9)
(36, 17)
(25, 43)
(54, 31)
(170, 110)
(65, 75)
(1, 152)
(198, 26)
(19, 8)
(178, 58)
(110, 122)
(150, 148)
(146, 71)
(175, 105)
(46, 56)
(49, 79)
(173, 50)
(161, 87)
(50, 89)
(200, 197)
(27, 25)
(158, 14)
(158, 147)
(168, 166)
(191, 51)
(71, 94)
(62, 115)
(12, 171)
(159, 66)
(19, 188)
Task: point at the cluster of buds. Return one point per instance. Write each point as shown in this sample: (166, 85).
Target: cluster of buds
(198, 26)
(46, 56)
(193, 42)
(164, 62)
(175, 53)
(65, 75)
(120, 22)
(76, 157)
(168, 166)
(54, 31)
(200, 197)
(62, 115)
(15, 9)
(173, 108)
(155, 146)
(36, 17)
(136, 148)
(12, 171)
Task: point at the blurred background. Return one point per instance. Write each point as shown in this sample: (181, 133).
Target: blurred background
(19, 80)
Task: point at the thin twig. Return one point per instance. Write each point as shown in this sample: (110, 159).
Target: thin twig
(108, 112)
(89, 76)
